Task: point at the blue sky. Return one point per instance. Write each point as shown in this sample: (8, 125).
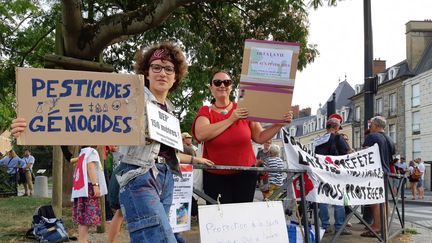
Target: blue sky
(338, 32)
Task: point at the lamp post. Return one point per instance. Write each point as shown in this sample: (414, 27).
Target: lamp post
(368, 86)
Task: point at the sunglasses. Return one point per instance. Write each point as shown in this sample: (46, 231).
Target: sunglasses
(219, 82)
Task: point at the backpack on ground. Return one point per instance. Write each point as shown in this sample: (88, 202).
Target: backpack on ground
(416, 175)
(46, 227)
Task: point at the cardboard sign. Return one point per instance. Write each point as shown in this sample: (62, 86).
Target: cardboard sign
(164, 127)
(267, 79)
(181, 207)
(243, 222)
(80, 108)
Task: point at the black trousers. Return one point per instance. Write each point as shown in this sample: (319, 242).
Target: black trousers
(234, 188)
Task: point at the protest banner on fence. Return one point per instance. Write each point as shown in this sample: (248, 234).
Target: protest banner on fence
(76, 107)
(353, 179)
(180, 211)
(243, 222)
(267, 79)
(164, 127)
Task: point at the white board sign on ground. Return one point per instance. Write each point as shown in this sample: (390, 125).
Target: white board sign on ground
(243, 223)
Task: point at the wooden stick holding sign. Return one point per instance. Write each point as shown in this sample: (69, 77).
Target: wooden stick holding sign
(77, 107)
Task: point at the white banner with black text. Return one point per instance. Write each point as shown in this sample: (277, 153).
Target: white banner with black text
(353, 179)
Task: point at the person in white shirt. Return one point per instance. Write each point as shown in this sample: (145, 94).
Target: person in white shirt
(420, 183)
(30, 160)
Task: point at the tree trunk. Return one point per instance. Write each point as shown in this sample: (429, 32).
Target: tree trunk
(57, 168)
(68, 170)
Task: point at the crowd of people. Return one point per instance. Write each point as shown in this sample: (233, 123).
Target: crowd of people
(19, 170)
(139, 181)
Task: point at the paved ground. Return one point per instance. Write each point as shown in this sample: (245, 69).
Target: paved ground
(418, 216)
(417, 213)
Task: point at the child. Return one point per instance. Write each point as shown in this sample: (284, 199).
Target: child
(89, 184)
(273, 161)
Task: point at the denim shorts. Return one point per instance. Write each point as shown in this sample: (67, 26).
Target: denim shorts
(114, 188)
(145, 202)
(420, 183)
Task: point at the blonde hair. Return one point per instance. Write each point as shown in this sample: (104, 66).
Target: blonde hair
(274, 150)
(12, 154)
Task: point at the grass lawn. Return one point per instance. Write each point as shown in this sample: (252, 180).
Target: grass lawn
(16, 216)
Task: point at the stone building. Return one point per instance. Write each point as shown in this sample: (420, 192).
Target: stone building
(418, 91)
(307, 128)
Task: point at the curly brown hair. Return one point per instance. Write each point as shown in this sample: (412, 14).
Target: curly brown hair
(176, 56)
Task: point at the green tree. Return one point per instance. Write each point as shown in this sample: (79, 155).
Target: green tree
(26, 35)
(211, 33)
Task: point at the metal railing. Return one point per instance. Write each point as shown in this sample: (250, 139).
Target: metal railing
(386, 224)
(291, 176)
(397, 214)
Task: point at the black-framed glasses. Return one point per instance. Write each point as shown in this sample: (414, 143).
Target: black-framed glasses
(156, 68)
(219, 82)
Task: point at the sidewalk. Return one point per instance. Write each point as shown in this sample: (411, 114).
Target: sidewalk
(192, 236)
(423, 234)
(427, 198)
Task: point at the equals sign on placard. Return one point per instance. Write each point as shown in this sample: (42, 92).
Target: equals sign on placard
(76, 108)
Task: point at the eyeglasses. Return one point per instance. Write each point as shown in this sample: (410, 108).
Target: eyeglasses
(158, 68)
(219, 82)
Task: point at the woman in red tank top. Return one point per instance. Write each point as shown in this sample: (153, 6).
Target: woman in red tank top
(227, 136)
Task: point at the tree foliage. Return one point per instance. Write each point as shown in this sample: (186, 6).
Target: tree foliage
(212, 34)
(26, 35)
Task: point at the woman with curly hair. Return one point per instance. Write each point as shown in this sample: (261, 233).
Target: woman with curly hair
(145, 174)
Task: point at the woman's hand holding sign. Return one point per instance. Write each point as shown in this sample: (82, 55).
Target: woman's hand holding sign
(239, 113)
(18, 126)
(287, 119)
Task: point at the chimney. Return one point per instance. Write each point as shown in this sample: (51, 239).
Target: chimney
(379, 66)
(418, 36)
(331, 105)
(296, 111)
(305, 112)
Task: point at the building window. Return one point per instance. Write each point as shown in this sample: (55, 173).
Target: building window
(357, 140)
(292, 131)
(357, 113)
(415, 95)
(416, 149)
(392, 132)
(416, 122)
(343, 114)
(378, 106)
(393, 104)
(305, 131)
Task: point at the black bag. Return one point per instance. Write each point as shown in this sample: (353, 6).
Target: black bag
(46, 227)
(22, 176)
(33, 176)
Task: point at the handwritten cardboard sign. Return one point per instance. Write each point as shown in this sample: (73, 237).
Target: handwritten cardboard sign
(267, 79)
(180, 210)
(164, 127)
(243, 222)
(80, 108)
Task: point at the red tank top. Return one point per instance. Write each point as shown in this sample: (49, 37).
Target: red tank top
(233, 146)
